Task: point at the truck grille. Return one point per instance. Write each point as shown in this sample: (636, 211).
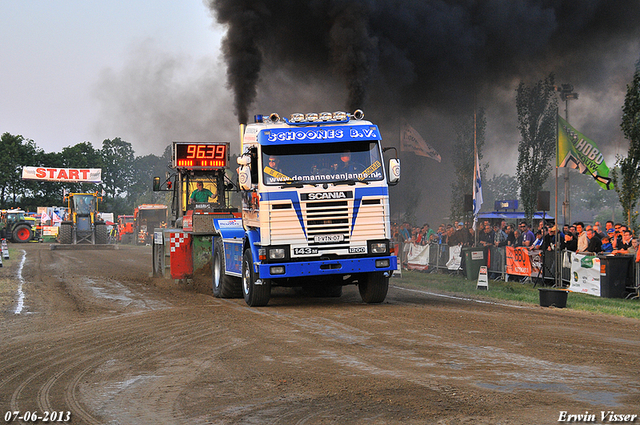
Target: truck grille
(329, 219)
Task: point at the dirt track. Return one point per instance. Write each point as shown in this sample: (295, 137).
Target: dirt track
(100, 338)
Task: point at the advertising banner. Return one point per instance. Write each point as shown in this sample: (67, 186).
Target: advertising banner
(418, 258)
(523, 262)
(585, 274)
(75, 175)
(455, 257)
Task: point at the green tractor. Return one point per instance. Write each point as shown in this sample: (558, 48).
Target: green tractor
(16, 227)
(82, 224)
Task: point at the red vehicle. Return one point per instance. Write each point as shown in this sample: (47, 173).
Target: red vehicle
(146, 218)
(125, 229)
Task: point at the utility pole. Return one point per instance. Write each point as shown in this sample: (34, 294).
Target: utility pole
(566, 94)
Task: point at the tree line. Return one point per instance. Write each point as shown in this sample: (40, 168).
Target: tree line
(126, 178)
(537, 108)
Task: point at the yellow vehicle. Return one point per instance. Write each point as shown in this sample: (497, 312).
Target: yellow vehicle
(82, 224)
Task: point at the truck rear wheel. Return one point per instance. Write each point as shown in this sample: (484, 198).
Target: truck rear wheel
(65, 235)
(22, 233)
(256, 293)
(373, 288)
(101, 234)
(224, 286)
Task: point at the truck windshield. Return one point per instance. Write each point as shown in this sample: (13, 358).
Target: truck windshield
(321, 163)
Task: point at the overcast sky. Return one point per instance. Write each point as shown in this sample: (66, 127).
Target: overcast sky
(151, 72)
(59, 56)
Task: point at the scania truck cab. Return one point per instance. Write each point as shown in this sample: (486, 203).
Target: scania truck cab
(315, 209)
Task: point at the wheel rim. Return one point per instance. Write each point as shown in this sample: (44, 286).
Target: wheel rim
(22, 234)
(216, 271)
(246, 277)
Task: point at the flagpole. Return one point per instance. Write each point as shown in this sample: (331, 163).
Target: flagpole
(475, 168)
(558, 271)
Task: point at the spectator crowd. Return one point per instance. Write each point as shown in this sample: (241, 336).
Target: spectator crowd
(613, 239)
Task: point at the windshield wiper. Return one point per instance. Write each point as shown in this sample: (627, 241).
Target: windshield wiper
(350, 182)
(296, 184)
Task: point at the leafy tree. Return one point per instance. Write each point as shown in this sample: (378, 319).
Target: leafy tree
(17, 152)
(147, 167)
(499, 188)
(628, 184)
(463, 160)
(117, 166)
(537, 109)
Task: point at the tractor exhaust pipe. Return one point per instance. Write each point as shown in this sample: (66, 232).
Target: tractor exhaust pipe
(242, 128)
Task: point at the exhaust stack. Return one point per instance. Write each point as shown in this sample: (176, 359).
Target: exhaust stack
(242, 128)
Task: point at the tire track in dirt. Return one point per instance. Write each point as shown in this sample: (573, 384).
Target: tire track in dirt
(55, 376)
(73, 353)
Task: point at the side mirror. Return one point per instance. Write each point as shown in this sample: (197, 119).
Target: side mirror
(394, 171)
(244, 160)
(244, 176)
(156, 184)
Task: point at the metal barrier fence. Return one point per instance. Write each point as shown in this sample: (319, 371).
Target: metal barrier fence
(543, 262)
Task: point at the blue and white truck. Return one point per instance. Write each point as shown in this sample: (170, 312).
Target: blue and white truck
(315, 210)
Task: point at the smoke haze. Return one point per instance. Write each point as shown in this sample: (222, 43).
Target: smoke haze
(427, 61)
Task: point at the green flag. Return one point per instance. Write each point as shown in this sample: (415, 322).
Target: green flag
(577, 151)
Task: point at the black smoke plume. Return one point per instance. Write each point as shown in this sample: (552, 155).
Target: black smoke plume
(414, 53)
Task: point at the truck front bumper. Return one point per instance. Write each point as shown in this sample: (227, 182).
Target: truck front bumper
(328, 267)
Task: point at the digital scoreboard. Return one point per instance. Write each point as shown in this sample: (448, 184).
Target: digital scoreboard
(200, 155)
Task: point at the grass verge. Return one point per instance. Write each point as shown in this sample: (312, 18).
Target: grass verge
(514, 291)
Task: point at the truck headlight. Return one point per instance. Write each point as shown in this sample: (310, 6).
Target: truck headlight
(278, 253)
(378, 247)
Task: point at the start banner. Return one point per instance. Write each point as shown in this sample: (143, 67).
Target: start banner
(76, 175)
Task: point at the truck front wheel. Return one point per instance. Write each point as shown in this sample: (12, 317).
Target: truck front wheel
(256, 292)
(373, 288)
(22, 234)
(224, 286)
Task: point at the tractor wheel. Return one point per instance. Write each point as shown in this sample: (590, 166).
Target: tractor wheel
(65, 237)
(373, 288)
(22, 233)
(101, 234)
(256, 292)
(224, 286)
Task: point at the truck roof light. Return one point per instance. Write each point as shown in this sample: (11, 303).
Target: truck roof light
(326, 116)
(312, 117)
(358, 114)
(297, 117)
(340, 116)
(258, 118)
(274, 117)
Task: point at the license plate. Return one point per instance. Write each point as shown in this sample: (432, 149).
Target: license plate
(328, 238)
(305, 251)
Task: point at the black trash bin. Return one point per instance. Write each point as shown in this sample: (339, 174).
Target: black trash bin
(614, 274)
(552, 297)
(474, 258)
